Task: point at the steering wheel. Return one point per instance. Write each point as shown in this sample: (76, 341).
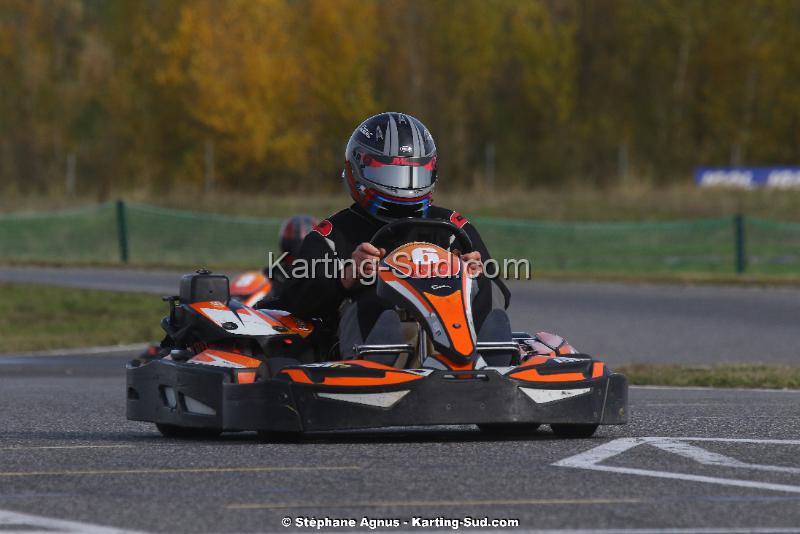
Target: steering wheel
(391, 232)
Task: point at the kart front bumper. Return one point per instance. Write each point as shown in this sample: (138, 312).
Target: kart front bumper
(189, 395)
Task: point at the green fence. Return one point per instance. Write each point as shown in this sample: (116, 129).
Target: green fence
(140, 234)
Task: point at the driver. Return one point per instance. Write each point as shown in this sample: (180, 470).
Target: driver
(390, 170)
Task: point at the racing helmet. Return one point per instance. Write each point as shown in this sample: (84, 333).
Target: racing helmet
(292, 232)
(390, 166)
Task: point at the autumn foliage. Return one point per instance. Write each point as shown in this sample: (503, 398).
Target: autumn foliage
(146, 94)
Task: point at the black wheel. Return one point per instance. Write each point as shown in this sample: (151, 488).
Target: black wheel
(184, 432)
(509, 429)
(269, 436)
(574, 431)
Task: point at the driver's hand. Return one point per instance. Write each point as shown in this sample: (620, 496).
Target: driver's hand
(473, 262)
(365, 259)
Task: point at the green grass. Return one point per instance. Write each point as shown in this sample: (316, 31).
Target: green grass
(729, 375)
(633, 202)
(637, 232)
(42, 318)
(158, 236)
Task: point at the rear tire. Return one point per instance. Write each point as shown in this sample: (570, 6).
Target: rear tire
(574, 431)
(508, 429)
(185, 432)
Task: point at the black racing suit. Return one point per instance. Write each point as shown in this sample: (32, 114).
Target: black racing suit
(320, 296)
(277, 280)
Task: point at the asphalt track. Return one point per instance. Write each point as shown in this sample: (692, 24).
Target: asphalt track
(70, 462)
(691, 460)
(622, 323)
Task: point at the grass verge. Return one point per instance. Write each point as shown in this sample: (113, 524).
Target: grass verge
(632, 202)
(41, 318)
(728, 375)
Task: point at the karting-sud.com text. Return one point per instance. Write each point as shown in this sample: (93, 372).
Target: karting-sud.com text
(404, 267)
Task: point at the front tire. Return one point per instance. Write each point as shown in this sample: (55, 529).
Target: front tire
(185, 432)
(574, 431)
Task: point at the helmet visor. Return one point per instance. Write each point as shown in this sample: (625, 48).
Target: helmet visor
(400, 173)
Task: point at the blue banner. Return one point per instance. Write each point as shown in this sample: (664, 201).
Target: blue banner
(748, 177)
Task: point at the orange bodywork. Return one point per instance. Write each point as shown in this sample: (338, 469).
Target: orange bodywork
(389, 276)
(391, 375)
(246, 377)
(213, 356)
(419, 259)
(387, 379)
(450, 309)
(369, 364)
(248, 283)
(295, 325)
(532, 375)
(297, 375)
(534, 360)
(598, 369)
(444, 360)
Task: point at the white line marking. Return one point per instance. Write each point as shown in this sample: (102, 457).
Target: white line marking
(738, 440)
(697, 454)
(712, 458)
(696, 478)
(592, 458)
(52, 526)
(600, 453)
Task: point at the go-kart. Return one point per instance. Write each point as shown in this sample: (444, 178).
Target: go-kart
(249, 287)
(231, 367)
